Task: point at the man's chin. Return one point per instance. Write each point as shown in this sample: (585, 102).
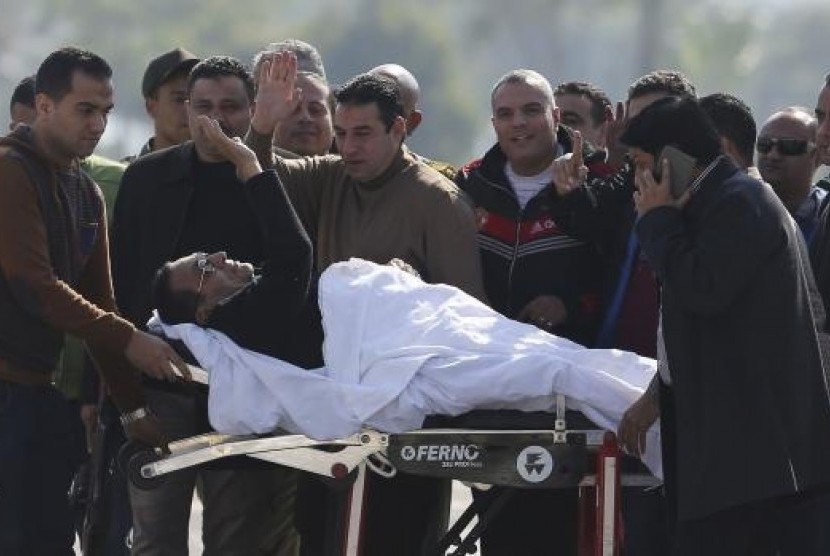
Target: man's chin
(247, 271)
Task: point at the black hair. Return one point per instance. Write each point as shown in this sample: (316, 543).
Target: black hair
(54, 76)
(24, 92)
(221, 66)
(368, 88)
(600, 102)
(173, 306)
(733, 119)
(676, 121)
(670, 82)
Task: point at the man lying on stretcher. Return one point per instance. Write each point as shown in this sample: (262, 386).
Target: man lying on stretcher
(273, 312)
(396, 349)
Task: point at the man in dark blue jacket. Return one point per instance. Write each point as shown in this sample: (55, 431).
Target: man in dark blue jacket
(744, 397)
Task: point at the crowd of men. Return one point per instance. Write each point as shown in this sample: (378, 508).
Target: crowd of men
(567, 222)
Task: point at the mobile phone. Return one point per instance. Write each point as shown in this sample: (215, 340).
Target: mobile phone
(681, 168)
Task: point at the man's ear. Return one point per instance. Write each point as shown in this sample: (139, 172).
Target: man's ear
(44, 103)
(150, 106)
(399, 127)
(413, 121)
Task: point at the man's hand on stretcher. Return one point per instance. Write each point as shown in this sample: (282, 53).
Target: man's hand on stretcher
(155, 358)
(638, 419)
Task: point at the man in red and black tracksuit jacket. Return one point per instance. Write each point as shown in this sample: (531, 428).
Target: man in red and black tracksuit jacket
(525, 252)
(533, 272)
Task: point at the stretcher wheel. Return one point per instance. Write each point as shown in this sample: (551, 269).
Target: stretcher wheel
(127, 451)
(131, 458)
(139, 460)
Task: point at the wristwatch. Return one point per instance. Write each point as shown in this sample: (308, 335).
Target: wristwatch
(133, 416)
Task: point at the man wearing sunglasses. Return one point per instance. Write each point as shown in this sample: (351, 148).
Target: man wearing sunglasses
(787, 160)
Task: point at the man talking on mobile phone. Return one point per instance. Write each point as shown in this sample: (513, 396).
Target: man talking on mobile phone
(742, 385)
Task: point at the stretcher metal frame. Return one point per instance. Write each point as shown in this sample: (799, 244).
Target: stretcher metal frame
(558, 458)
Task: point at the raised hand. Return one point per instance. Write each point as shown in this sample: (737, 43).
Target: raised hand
(277, 92)
(569, 170)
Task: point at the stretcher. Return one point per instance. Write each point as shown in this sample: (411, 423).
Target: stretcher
(518, 458)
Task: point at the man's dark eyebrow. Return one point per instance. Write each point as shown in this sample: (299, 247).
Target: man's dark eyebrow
(93, 106)
(358, 128)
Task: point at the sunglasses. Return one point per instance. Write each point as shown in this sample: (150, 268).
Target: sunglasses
(786, 146)
(205, 267)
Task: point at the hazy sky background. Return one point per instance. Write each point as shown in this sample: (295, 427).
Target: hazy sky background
(771, 53)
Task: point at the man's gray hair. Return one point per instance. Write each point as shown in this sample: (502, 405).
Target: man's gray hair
(309, 60)
(525, 77)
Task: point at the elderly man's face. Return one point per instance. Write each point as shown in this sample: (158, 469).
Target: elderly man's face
(308, 131)
(212, 277)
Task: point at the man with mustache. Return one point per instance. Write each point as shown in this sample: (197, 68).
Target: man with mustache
(378, 202)
(173, 202)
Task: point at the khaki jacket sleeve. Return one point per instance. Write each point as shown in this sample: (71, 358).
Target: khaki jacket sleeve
(452, 254)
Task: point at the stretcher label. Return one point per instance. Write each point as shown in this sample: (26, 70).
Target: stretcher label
(524, 459)
(448, 455)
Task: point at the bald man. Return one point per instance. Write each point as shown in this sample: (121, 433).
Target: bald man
(410, 93)
(787, 160)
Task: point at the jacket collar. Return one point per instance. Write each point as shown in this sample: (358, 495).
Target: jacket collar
(402, 159)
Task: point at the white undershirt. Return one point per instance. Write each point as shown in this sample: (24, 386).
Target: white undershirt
(527, 187)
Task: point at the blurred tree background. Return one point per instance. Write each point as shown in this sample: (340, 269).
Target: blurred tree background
(771, 53)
